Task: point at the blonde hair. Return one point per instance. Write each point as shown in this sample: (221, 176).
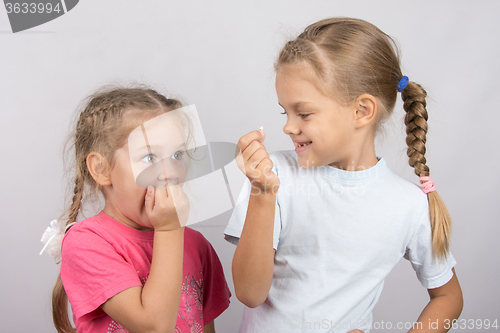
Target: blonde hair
(351, 57)
(103, 126)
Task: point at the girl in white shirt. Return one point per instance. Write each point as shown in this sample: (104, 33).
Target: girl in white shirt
(324, 225)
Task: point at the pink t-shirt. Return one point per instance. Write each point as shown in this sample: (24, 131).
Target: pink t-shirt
(102, 257)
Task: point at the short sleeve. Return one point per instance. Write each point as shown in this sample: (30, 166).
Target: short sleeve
(92, 272)
(234, 228)
(431, 272)
(216, 293)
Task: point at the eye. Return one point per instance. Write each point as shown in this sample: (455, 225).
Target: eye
(150, 158)
(178, 155)
(303, 115)
(284, 112)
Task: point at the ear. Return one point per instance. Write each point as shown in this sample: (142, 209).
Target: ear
(98, 168)
(366, 107)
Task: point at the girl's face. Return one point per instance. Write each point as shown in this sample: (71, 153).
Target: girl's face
(157, 151)
(153, 155)
(321, 129)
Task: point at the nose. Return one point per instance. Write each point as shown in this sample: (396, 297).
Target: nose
(168, 171)
(291, 128)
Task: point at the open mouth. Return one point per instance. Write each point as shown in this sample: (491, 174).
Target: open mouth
(303, 144)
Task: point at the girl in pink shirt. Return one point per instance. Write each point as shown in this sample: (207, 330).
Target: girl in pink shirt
(134, 267)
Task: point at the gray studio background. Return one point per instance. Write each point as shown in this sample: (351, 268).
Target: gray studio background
(219, 55)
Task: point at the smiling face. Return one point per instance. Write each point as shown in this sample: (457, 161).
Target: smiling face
(322, 130)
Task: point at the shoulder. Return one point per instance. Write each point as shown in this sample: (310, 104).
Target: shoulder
(199, 252)
(195, 242)
(83, 231)
(407, 196)
(194, 237)
(409, 190)
(84, 241)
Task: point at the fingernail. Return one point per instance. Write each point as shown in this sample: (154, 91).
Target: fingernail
(150, 189)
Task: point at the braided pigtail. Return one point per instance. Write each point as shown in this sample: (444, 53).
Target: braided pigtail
(416, 129)
(60, 312)
(76, 202)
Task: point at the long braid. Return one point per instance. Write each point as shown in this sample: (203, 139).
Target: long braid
(60, 309)
(416, 127)
(414, 104)
(59, 296)
(76, 201)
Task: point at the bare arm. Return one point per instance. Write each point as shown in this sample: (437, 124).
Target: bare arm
(446, 303)
(154, 307)
(253, 261)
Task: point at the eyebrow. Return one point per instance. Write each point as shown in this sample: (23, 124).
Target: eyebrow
(150, 148)
(296, 105)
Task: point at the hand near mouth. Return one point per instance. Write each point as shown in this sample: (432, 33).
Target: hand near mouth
(167, 207)
(255, 163)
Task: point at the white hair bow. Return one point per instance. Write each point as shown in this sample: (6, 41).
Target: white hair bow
(52, 238)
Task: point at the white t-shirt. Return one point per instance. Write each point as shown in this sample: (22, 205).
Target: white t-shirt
(337, 235)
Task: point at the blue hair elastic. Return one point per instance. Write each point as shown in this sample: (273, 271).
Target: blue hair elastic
(403, 83)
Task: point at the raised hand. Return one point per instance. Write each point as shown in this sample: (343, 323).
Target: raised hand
(167, 208)
(255, 163)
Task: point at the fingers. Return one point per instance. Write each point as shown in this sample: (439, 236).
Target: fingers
(149, 199)
(181, 204)
(154, 197)
(167, 208)
(252, 151)
(254, 162)
(266, 166)
(247, 139)
(162, 193)
(255, 152)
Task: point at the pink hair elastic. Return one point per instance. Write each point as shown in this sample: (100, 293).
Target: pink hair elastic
(428, 186)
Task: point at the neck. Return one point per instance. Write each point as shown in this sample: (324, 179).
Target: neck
(361, 155)
(357, 164)
(115, 214)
